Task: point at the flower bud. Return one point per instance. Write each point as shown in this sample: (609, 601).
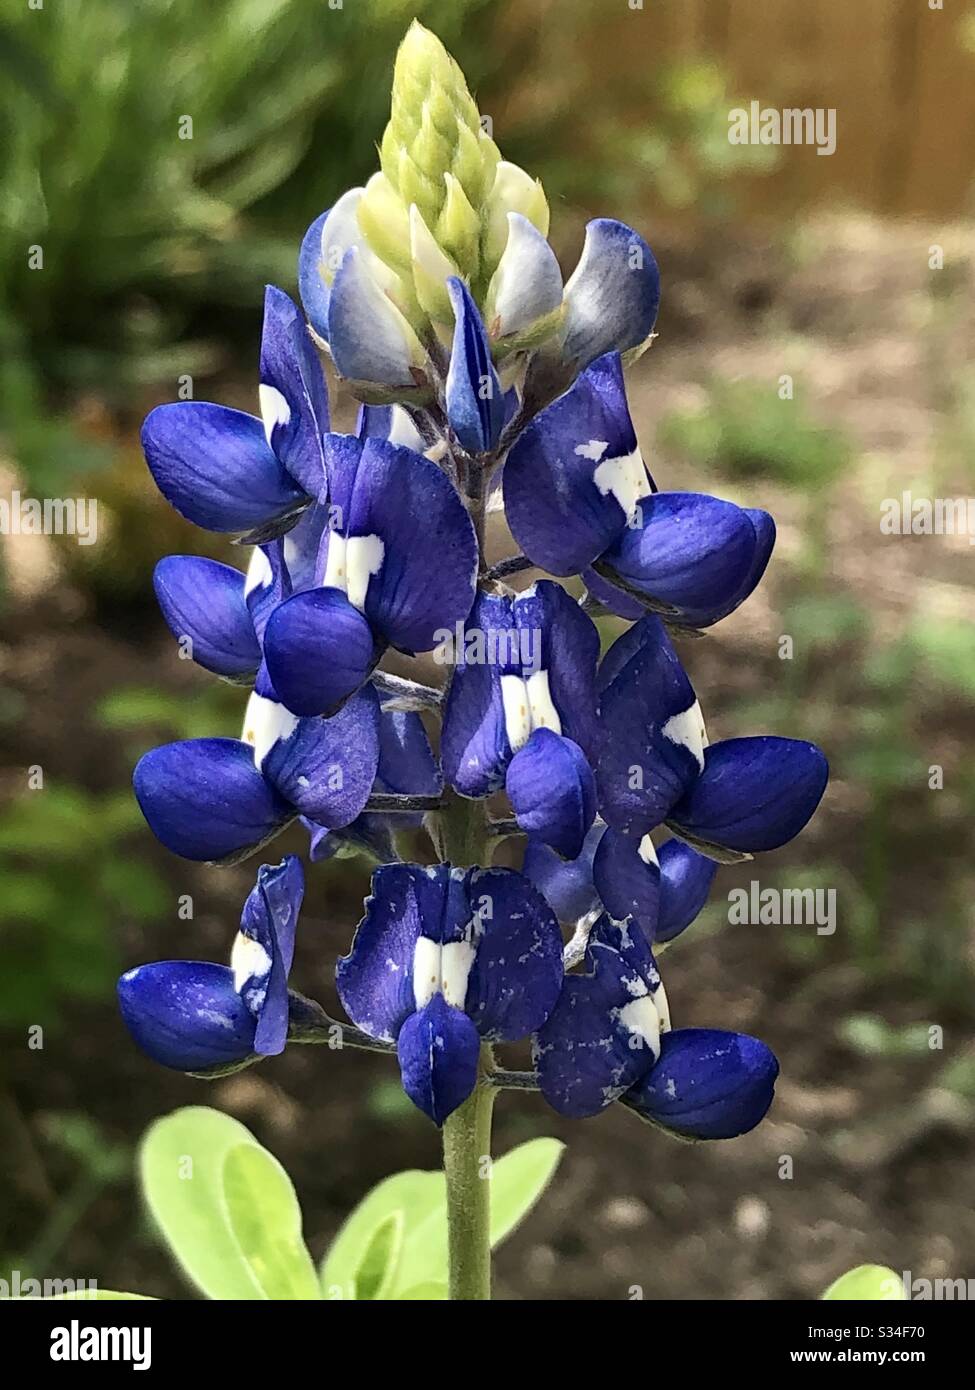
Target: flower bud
(432, 268)
(459, 228)
(513, 191)
(434, 129)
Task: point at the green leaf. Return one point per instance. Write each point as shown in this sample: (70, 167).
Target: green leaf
(424, 1293)
(412, 1196)
(518, 1181)
(377, 1268)
(867, 1284)
(226, 1208)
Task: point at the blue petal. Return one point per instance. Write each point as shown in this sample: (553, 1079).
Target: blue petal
(187, 1015)
(406, 760)
(552, 791)
(426, 578)
(685, 882)
(644, 769)
(516, 976)
(611, 299)
(708, 1084)
(567, 646)
(699, 555)
(585, 1054)
(628, 884)
(389, 422)
(214, 466)
(754, 793)
(268, 581)
(611, 597)
(632, 943)
(438, 1050)
(294, 399)
(205, 800)
(319, 651)
(325, 768)
(375, 980)
(204, 601)
(558, 497)
(474, 399)
(312, 288)
(370, 834)
(370, 340)
(566, 884)
(474, 741)
(407, 766)
(269, 917)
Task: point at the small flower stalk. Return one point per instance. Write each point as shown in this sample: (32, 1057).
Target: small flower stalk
(488, 382)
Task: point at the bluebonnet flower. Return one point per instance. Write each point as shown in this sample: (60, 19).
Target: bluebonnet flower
(407, 767)
(220, 799)
(577, 494)
(229, 471)
(661, 890)
(482, 376)
(609, 1038)
(656, 767)
(211, 1019)
(521, 711)
(394, 561)
(443, 959)
(446, 210)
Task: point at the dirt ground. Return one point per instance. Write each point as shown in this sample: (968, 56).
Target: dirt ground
(863, 1158)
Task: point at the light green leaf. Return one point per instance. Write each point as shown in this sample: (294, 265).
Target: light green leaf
(226, 1208)
(424, 1293)
(378, 1265)
(867, 1284)
(412, 1195)
(517, 1181)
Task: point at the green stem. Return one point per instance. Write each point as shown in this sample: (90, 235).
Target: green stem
(461, 833)
(467, 1167)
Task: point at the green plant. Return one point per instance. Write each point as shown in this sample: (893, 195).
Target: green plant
(141, 188)
(747, 431)
(228, 1213)
(66, 880)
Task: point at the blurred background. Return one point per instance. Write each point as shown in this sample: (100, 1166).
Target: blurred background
(850, 274)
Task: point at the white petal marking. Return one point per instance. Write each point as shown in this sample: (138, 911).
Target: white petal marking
(275, 410)
(265, 723)
(350, 564)
(259, 573)
(441, 970)
(640, 1018)
(248, 959)
(687, 729)
(624, 478)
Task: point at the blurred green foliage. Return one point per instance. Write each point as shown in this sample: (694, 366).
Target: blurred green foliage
(161, 164)
(146, 153)
(68, 879)
(879, 744)
(746, 431)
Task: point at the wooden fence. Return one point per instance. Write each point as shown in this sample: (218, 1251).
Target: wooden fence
(897, 72)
